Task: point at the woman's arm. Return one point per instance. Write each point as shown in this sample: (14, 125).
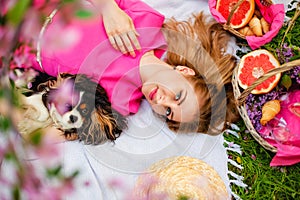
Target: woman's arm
(118, 26)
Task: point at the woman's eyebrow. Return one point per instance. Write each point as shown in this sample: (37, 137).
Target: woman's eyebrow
(182, 99)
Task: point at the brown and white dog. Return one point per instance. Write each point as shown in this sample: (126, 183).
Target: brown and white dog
(74, 104)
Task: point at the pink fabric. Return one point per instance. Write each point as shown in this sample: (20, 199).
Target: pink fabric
(285, 138)
(94, 56)
(273, 14)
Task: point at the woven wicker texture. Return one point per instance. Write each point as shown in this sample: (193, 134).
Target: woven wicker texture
(227, 25)
(181, 176)
(241, 97)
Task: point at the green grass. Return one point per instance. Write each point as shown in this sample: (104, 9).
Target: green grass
(264, 182)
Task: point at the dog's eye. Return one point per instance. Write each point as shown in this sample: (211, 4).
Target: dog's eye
(83, 108)
(84, 111)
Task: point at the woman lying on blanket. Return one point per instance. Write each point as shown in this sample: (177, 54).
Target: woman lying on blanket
(122, 51)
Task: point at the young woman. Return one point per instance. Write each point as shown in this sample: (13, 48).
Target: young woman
(122, 50)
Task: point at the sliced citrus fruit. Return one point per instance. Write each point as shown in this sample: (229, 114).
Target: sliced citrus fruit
(255, 64)
(242, 15)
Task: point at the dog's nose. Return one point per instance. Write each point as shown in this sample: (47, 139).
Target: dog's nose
(73, 118)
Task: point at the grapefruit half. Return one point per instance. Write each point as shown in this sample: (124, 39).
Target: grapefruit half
(255, 64)
(242, 14)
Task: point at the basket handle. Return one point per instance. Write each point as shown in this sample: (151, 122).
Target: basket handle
(227, 25)
(264, 2)
(285, 67)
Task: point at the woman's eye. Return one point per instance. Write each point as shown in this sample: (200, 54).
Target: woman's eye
(168, 111)
(178, 95)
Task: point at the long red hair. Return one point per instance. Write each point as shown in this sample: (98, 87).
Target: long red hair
(201, 44)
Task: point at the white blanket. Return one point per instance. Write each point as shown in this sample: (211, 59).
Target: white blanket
(146, 141)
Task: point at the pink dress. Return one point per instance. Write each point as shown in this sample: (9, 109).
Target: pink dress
(94, 56)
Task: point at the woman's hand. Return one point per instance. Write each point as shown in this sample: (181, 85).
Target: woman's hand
(120, 29)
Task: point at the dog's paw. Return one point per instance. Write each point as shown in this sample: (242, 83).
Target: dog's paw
(28, 126)
(71, 136)
(24, 128)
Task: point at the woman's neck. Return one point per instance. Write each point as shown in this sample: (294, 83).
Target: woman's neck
(150, 65)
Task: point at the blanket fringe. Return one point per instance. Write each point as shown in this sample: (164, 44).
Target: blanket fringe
(233, 126)
(234, 175)
(235, 196)
(231, 146)
(232, 132)
(238, 183)
(235, 164)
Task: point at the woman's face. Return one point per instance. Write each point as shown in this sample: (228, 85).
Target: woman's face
(172, 95)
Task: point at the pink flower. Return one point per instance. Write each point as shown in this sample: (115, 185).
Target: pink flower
(145, 190)
(31, 184)
(31, 27)
(22, 58)
(116, 183)
(295, 108)
(281, 134)
(86, 184)
(148, 180)
(61, 37)
(36, 187)
(39, 3)
(65, 97)
(65, 188)
(48, 150)
(2, 153)
(6, 38)
(230, 144)
(23, 79)
(285, 127)
(6, 5)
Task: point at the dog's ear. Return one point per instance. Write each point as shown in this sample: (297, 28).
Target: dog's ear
(103, 123)
(102, 127)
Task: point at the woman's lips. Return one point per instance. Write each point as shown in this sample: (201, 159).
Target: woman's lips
(152, 93)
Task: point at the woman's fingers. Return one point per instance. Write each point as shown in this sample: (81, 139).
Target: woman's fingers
(113, 42)
(120, 44)
(133, 37)
(126, 42)
(121, 30)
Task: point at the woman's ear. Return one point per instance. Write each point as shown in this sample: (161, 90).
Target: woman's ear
(185, 70)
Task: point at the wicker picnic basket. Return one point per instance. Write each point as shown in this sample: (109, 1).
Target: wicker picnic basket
(227, 25)
(264, 25)
(241, 97)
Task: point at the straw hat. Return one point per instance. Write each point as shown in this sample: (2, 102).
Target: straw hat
(182, 176)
